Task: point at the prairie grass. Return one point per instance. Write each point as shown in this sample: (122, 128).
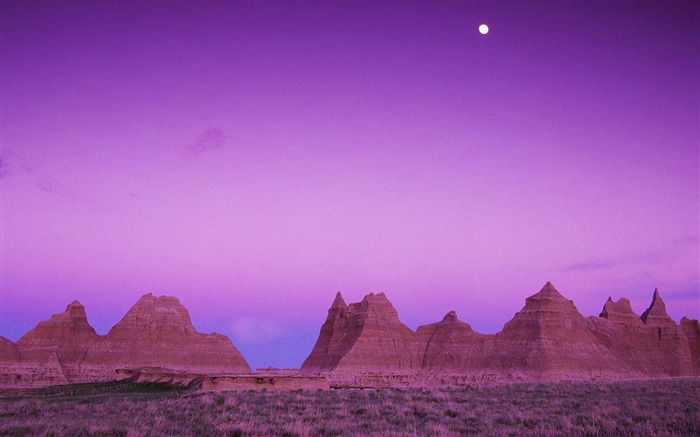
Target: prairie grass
(632, 408)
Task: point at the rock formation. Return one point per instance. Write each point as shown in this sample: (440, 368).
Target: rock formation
(63, 331)
(51, 352)
(364, 337)
(620, 312)
(451, 346)
(654, 345)
(691, 329)
(8, 351)
(333, 342)
(59, 344)
(547, 340)
(656, 315)
(550, 339)
(156, 332)
(365, 344)
(9, 361)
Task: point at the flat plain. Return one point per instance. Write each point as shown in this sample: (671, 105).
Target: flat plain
(625, 408)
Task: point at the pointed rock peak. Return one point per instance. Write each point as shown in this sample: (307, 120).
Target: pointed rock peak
(75, 310)
(621, 304)
(657, 307)
(548, 303)
(656, 299)
(549, 291)
(147, 297)
(656, 314)
(339, 301)
(158, 301)
(151, 299)
(74, 313)
(687, 322)
(547, 294)
(338, 308)
(75, 305)
(70, 325)
(374, 306)
(150, 304)
(620, 311)
(378, 297)
(450, 317)
(165, 312)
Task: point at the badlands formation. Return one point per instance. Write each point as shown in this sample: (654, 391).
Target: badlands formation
(363, 344)
(155, 333)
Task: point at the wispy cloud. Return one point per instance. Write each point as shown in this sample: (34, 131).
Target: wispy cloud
(211, 139)
(683, 295)
(611, 263)
(21, 173)
(9, 161)
(692, 240)
(48, 185)
(3, 165)
(251, 330)
(673, 247)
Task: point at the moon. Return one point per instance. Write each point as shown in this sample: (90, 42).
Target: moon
(483, 29)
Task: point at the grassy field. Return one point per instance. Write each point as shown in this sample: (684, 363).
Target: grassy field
(661, 407)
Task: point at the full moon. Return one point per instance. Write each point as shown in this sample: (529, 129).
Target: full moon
(483, 29)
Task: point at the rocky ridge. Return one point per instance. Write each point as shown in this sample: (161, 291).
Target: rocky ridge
(364, 344)
(364, 335)
(547, 340)
(155, 332)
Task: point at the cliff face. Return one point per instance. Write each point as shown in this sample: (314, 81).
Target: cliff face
(656, 315)
(364, 337)
(156, 332)
(547, 340)
(550, 339)
(53, 351)
(65, 331)
(452, 346)
(691, 329)
(652, 345)
(620, 312)
(334, 340)
(9, 361)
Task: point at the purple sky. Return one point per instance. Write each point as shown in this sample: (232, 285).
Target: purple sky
(253, 158)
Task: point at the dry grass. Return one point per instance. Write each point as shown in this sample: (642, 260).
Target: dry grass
(662, 407)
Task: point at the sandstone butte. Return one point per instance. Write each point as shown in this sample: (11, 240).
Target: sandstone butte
(155, 333)
(365, 344)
